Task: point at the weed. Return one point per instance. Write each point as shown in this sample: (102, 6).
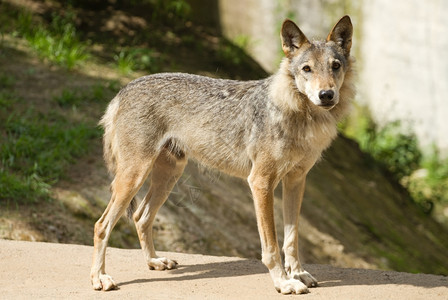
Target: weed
(57, 42)
(125, 63)
(391, 145)
(397, 150)
(113, 86)
(230, 53)
(43, 144)
(25, 23)
(67, 98)
(424, 175)
(137, 59)
(24, 189)
(35, 151)
(7, 99)
(96, 93)
(170, 11)
(437, 177)
(242, 41)
(429, 185)
(6, 81)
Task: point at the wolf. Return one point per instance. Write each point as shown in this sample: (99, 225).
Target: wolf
(265, 131)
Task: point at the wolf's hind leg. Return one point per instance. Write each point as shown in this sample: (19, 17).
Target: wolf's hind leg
(165, 173)
(126, 184)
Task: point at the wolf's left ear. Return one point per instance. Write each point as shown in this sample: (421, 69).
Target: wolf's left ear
(292, 38)
(342, 33)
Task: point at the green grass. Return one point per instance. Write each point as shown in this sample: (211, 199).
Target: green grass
(230, 53)
(95, 93)
(36, 149)
(43, 144)
(396, 148)
(22, 189)
(6, 99)
(170, 11)
(430, 185)
(57, 42)
(6, 81)
(129, 60)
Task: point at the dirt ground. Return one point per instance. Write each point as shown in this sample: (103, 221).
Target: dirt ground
(59, 271)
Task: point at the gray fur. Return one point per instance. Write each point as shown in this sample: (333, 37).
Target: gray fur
(221, 123)
(267, 131)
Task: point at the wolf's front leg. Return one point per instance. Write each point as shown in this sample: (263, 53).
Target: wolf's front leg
(262, 187)
(293, 189)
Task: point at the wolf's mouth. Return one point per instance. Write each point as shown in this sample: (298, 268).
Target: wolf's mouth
(327, 106)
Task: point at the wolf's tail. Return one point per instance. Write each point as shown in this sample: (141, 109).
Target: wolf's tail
(110, 144)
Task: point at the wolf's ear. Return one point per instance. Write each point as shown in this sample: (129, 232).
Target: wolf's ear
(292, 38)
(342, 33)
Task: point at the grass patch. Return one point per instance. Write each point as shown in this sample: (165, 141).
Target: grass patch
(424, 175)
(43, 144)
(6, 81)
(429, 184)
(23, 189)
(229, 53)
(395, 148)
(96, 93)
(129, 60)
(35, 150)
(57, 42)
(170, 11)
(7, 100)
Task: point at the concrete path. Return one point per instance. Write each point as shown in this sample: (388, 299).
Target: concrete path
(57, 271)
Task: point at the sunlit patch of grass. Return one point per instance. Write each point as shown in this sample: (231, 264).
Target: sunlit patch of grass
(58, 42)
(137, 59)
(36, 149)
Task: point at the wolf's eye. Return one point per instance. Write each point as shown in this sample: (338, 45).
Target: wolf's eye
(306, 69)
(336, 65)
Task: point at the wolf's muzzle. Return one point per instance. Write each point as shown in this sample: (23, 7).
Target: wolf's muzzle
(326, 95)
(326, 98)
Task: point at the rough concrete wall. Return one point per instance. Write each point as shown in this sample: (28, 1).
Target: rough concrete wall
(255, 19)
(404, 72)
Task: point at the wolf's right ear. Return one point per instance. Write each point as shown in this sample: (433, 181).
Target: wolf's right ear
(342, 34)
(292, 38)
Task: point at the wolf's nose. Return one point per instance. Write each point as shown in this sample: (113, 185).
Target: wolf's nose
(326, 95)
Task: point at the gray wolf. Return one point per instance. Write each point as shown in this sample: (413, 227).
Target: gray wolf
(265, 131)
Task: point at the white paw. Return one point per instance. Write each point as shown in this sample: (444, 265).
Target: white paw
(291, 286)
(161, 263)
(306, 278)
(103, 282)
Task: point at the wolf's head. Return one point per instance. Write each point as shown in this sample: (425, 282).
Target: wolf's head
(318, 68)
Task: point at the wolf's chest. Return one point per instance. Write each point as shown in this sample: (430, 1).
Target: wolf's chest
(303, 139)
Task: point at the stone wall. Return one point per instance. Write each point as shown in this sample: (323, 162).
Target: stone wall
(404, 66)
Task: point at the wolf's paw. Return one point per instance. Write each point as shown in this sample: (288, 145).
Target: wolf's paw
(306, 278)
(291, 286)
(103, 282)
(161, 263)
